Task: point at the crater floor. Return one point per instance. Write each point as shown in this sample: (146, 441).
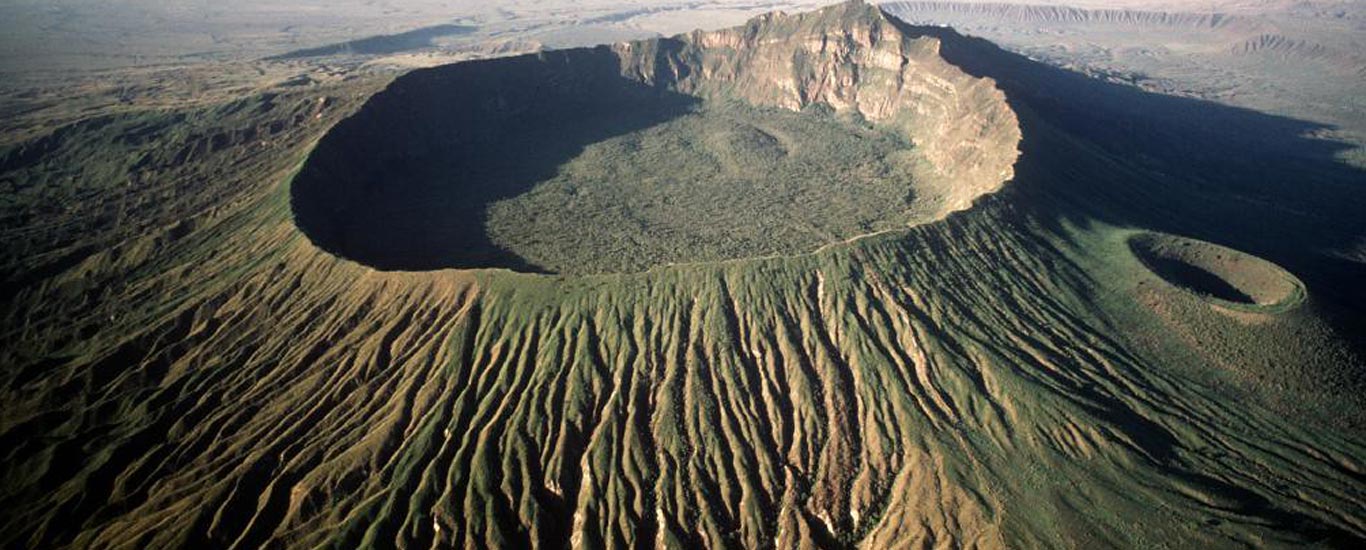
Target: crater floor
(1217, 272)
(724, 181)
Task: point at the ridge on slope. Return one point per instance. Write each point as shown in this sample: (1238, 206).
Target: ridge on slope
(983, 381)
(1042, 13)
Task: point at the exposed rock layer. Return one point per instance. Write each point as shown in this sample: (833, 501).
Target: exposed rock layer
(852, 58)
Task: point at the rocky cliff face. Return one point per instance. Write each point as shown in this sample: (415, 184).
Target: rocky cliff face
(853, 58)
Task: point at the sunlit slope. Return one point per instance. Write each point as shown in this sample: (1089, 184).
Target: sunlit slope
(948, 384)
(1012, 376)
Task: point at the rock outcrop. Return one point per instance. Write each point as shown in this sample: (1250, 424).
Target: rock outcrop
(853, 58)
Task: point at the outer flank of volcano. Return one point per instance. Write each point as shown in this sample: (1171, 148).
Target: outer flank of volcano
(824, 280)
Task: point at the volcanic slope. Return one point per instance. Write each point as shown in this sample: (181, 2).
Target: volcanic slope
(1012, 375)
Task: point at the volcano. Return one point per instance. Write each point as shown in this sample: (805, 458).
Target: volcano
(824, 280)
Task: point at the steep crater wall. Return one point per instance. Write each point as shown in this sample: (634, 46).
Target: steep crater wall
(777, 137)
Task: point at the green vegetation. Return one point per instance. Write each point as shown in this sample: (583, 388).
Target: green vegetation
(1012, 375)
(1231, 278)
(725, 181)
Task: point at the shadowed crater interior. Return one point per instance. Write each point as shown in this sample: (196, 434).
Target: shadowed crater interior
(404, 184)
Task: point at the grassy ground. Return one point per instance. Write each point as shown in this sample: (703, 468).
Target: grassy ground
(1011, 376)
(726, 181)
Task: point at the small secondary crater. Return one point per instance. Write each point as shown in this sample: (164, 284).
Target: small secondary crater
(1217, 273)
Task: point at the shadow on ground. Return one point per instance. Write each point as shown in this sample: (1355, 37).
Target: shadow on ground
(383, 44)
(403, 184)
(1099, 152)
(1263, 184)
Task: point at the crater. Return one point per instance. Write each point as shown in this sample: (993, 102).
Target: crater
(778, 137)
(1216, 273)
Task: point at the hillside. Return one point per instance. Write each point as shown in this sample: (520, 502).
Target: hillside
(1046, 362)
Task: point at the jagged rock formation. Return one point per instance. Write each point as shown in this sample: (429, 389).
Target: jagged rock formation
(852, 58)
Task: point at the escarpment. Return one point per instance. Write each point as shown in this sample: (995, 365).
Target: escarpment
(852, 58)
